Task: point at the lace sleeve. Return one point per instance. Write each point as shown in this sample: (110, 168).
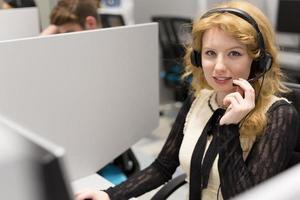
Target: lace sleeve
(161, 170)
(269, 154)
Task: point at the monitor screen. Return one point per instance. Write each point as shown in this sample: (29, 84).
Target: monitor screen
(31, 168)
(288, 17)
(111, 20)
(284, 186)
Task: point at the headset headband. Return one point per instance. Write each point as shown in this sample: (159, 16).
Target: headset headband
(244, 15)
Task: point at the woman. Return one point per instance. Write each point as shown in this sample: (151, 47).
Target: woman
(233, 132)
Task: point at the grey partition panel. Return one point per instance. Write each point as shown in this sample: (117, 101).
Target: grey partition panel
(95, 93)
(19, 23)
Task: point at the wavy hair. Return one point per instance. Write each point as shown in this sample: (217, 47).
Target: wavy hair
(245, 33)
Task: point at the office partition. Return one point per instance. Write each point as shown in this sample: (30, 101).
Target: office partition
(19, 23)
(95, 93)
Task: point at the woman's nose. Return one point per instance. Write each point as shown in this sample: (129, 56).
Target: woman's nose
(220, 63)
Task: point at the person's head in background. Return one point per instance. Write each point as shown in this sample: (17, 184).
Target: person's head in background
(244, 33)
(7, 4)
(75, 15)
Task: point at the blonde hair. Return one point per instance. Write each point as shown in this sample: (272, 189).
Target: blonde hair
(245, 33)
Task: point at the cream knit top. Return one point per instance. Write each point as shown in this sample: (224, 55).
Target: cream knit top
(198, 116)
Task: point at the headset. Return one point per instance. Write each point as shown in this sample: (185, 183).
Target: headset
(260, 65)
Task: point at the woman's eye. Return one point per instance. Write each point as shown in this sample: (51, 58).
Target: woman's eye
(235, 53)
(210, 53)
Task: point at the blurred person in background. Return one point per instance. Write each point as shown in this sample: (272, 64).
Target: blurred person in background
(73, 15)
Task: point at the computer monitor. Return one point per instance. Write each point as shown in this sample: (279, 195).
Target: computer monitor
(111, 20)
(31, 168)
(284, 186)
(288, 16)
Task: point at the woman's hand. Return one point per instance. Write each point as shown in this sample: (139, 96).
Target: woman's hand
(91, 195)
(239, 103)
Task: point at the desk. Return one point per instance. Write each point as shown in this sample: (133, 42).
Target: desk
(93, 181)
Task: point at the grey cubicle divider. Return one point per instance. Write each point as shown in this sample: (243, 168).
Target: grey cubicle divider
(19, 23)
(95, 93)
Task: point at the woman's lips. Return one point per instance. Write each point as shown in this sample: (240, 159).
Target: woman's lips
(222, 80)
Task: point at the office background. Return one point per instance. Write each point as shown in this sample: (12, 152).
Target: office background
(141, 11)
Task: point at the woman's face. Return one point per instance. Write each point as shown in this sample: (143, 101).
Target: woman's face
(223, 59)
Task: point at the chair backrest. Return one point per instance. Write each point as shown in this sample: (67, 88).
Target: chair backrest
(294, 97)
(172, 34)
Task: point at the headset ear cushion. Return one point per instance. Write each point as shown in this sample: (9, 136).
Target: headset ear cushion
(266, 61)
(196, 58)
(261, 65)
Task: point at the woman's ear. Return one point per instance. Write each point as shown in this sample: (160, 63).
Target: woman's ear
(90, 23)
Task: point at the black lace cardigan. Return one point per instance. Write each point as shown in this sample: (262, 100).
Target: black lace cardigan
(268, 156)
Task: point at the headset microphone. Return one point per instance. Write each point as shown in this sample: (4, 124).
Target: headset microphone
(252, 80)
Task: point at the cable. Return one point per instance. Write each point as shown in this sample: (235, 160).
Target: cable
(256, 100)
(218, 192)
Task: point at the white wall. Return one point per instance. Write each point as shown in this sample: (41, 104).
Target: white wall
(144, 9)
(45, 7)
(269, 7)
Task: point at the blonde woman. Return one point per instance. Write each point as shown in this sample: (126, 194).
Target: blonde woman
(234, 131)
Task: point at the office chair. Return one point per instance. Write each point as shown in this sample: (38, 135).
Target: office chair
(178, 181)
(120, 168)
(111, 20)
(294, 96)
(174, 32)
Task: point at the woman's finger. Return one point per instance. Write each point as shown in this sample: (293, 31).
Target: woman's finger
(249, 92)
(230, 99)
